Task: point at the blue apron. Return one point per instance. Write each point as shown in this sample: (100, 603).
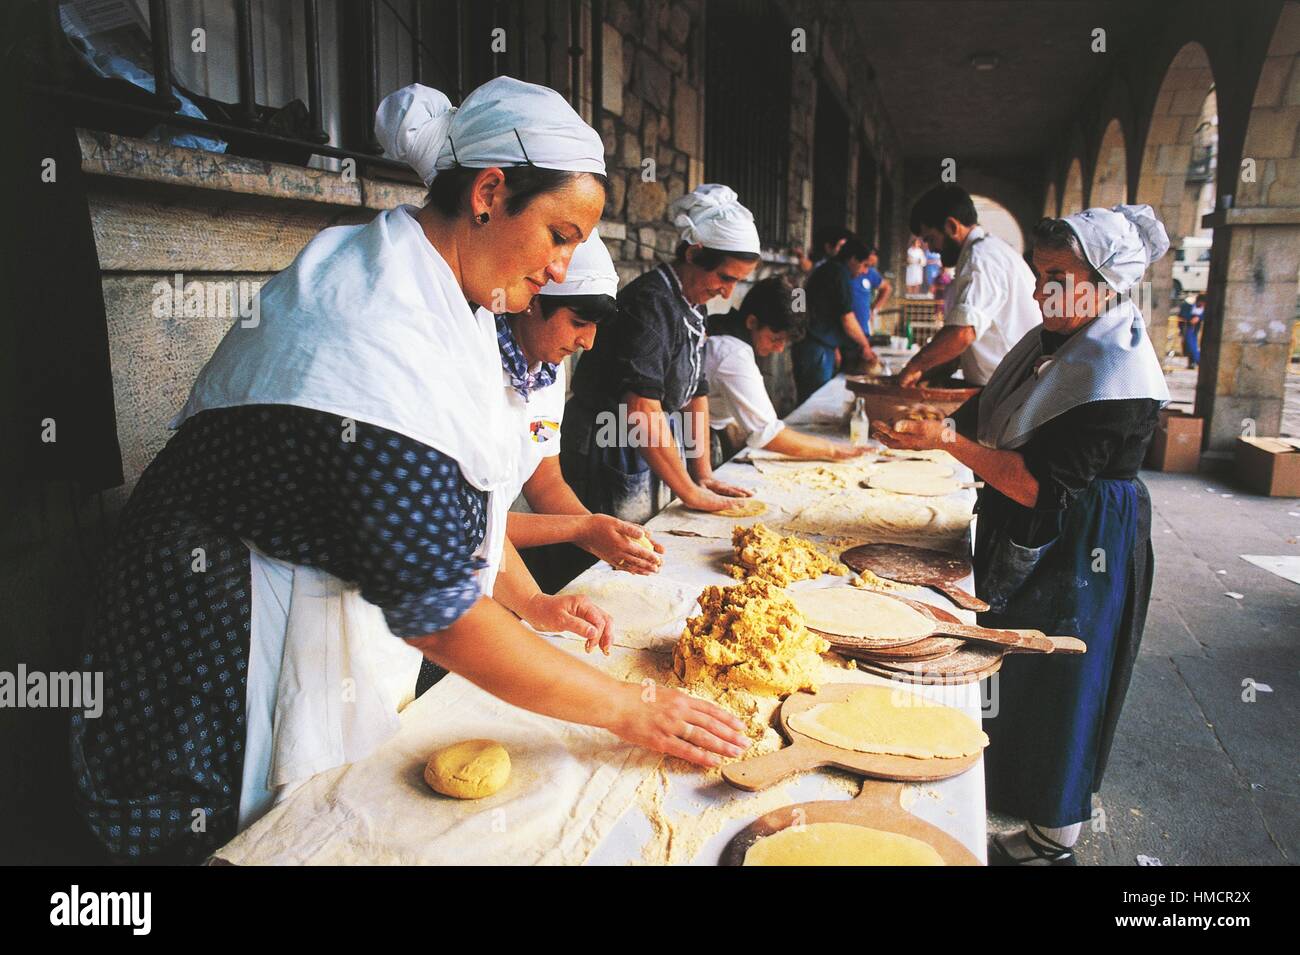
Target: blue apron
(1056, 715)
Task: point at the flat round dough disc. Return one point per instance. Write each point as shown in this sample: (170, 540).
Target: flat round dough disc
(840, 843)
(849, 612)
(923, 485)
(917, 468)
(893, 721)
(744, 507)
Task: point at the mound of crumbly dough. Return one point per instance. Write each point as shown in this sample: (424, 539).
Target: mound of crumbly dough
(869, 581)
(749, 637)
(840, 843)
(762, 552)
(470, 769)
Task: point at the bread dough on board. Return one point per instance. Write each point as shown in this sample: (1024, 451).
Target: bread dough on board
(892, 721)
(744, 507)
(840, 843)
(471, 769)
(851, 612)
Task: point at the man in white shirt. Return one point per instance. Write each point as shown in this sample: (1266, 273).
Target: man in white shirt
(989, 306)
(762, 325)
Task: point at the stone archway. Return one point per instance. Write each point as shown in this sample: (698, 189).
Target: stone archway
(1072, 196)
(1110, 173)
(1177, 160)
(1255, 269)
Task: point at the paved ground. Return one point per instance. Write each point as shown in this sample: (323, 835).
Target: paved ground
(1182, 388)
(1199, 774)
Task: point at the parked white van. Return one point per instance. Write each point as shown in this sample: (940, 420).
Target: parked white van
(1191, 266)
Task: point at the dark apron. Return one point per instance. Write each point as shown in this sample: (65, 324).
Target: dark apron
(614, 479)
(1056, 715)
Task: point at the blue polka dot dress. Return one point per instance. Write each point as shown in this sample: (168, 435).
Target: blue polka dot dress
(158, 773)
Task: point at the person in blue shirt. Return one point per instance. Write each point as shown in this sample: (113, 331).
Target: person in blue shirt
(1189, 324)
(871, 291)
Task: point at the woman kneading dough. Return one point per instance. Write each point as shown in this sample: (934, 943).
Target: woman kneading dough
(336, 490)
(561, 320)
(1064, 536)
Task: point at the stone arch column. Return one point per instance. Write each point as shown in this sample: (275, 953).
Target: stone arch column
(1110, 172)
(1256, 259)
(1167, 155)
(1072, 195)
(1051, 208)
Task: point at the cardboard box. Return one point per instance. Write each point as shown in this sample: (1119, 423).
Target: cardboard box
(1269, 466)
(1176, 444)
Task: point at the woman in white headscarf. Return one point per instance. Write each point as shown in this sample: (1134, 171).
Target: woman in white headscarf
(562, 320)
(1064, 535)
(330, 514)
(638, 421)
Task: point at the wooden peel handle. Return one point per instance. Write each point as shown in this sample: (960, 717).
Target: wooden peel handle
(768, 769)
(961, 598)
(1031, 640)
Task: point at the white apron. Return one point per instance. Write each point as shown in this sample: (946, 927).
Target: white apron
(368, 323)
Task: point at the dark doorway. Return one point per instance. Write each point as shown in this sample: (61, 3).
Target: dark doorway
(867, 195)
(830, 162)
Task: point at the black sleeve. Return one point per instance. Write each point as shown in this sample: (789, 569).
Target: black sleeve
(966, 419)
(1086, 442)
(643, 344)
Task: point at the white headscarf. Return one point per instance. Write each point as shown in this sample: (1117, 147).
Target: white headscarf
(591, 271)
(505, 122)
(1109, 359)
(713, 217)
(1120, 242)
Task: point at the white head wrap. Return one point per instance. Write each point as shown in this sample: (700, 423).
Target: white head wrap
(713, 217)
(591, 271)
(505, 122)
(1120, 243)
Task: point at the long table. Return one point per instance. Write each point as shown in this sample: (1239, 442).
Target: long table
(581, 794)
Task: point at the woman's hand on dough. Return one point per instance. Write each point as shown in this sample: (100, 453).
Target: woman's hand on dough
(840, 452)
(572, 613)
(909, 435)
(723, 488)
(618, 543)
(670, 721)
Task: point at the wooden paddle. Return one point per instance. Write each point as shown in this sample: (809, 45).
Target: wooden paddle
(916, 565)
(806, 753)
(877, 806)
(1028, 641)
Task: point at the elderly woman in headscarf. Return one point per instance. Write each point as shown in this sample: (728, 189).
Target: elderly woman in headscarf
(329, 516)
(1064, 535)
(638, 420)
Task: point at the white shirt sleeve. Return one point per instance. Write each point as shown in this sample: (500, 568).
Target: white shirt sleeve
(741, 383)
(976, 296)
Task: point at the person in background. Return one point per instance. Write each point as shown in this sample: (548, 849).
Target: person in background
(870, 291)
(762, 325)
(990, 304)
(561, 320)
(825, 246)
(933, 266)
(639, 403)
(915, 273)
(1190, 315)
(832, 324)
(1063, 542)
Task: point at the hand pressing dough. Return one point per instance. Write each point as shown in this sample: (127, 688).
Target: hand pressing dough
(840, 843)
(744, 507)
(922, 485)
(881, 719)
(470, 769)
(848, 612)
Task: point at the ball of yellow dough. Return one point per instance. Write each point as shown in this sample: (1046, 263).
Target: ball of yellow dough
(644, 542)
(468, 770)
